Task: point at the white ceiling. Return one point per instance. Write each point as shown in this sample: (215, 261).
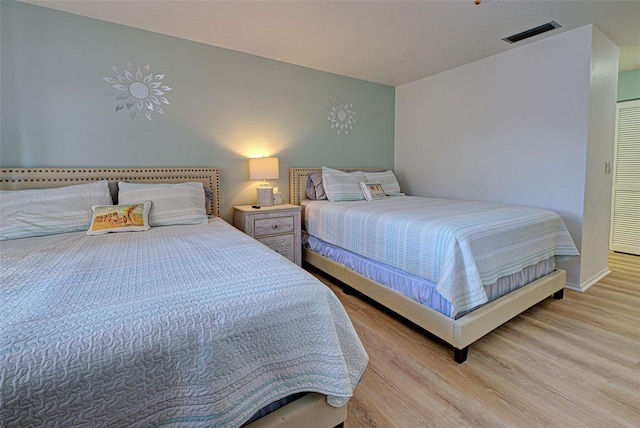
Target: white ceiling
(389, 42)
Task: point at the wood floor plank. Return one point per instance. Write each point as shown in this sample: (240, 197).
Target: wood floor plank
(573, 362)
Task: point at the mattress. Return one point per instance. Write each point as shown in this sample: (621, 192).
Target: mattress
(180, 325)
(460, 246)
(419, 289)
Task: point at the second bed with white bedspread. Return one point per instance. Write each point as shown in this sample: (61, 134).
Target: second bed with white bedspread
(458, 245)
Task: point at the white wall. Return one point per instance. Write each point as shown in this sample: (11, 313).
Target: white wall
(510, 128)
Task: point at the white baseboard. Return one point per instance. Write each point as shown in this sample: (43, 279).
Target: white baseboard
(585, 285)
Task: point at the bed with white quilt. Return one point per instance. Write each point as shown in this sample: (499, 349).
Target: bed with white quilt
(183, 322)
(456, 268)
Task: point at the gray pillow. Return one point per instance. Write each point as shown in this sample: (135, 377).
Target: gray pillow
(113, 189)
(311, 188)
(316, 179)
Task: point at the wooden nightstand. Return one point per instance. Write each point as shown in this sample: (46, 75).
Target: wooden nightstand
(277, 227)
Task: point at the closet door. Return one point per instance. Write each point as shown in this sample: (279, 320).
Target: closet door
(625, 207)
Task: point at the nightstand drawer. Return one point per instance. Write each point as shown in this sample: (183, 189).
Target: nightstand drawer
(278, 227)
(271, 226)
(282, 244)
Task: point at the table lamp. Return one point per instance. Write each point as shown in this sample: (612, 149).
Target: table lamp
(264, 169)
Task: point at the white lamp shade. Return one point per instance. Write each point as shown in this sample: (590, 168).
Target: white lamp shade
(264, 169)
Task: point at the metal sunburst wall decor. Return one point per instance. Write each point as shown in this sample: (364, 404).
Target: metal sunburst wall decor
(341, 116)
(138, 90)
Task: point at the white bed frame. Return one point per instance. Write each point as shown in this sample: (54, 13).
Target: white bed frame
(459, 333)
(311, 410)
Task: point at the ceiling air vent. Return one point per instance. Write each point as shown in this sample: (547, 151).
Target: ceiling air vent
(532, 32)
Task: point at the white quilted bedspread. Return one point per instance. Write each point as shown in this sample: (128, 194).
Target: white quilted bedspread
(459, 245)
(179, 326)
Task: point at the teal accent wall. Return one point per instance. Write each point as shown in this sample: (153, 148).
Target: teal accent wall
(225, 106)
(629, 85)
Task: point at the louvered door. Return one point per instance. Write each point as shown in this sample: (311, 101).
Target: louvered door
(625, 218)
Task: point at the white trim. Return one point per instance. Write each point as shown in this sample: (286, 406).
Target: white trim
(584, 286)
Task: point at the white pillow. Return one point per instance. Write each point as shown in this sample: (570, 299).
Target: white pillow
(387, 179)
(342, 186)
(372, 191)
(181, 203)
(39, 212)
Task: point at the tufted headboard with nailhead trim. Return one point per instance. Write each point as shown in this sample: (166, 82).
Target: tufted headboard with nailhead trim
(39, 178)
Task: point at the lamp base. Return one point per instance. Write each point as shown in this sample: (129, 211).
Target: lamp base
(265, 196)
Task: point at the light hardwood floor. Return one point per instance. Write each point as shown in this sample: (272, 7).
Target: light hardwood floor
(563, 363)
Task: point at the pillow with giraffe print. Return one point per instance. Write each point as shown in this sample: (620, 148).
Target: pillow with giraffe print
(120, 218)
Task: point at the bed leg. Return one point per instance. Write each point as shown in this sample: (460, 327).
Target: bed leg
(460, 355)
(558, 294)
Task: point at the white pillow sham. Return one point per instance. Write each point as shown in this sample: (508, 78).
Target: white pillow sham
(342, 186)
(180, 203)
(40, 212)
(387, 179)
